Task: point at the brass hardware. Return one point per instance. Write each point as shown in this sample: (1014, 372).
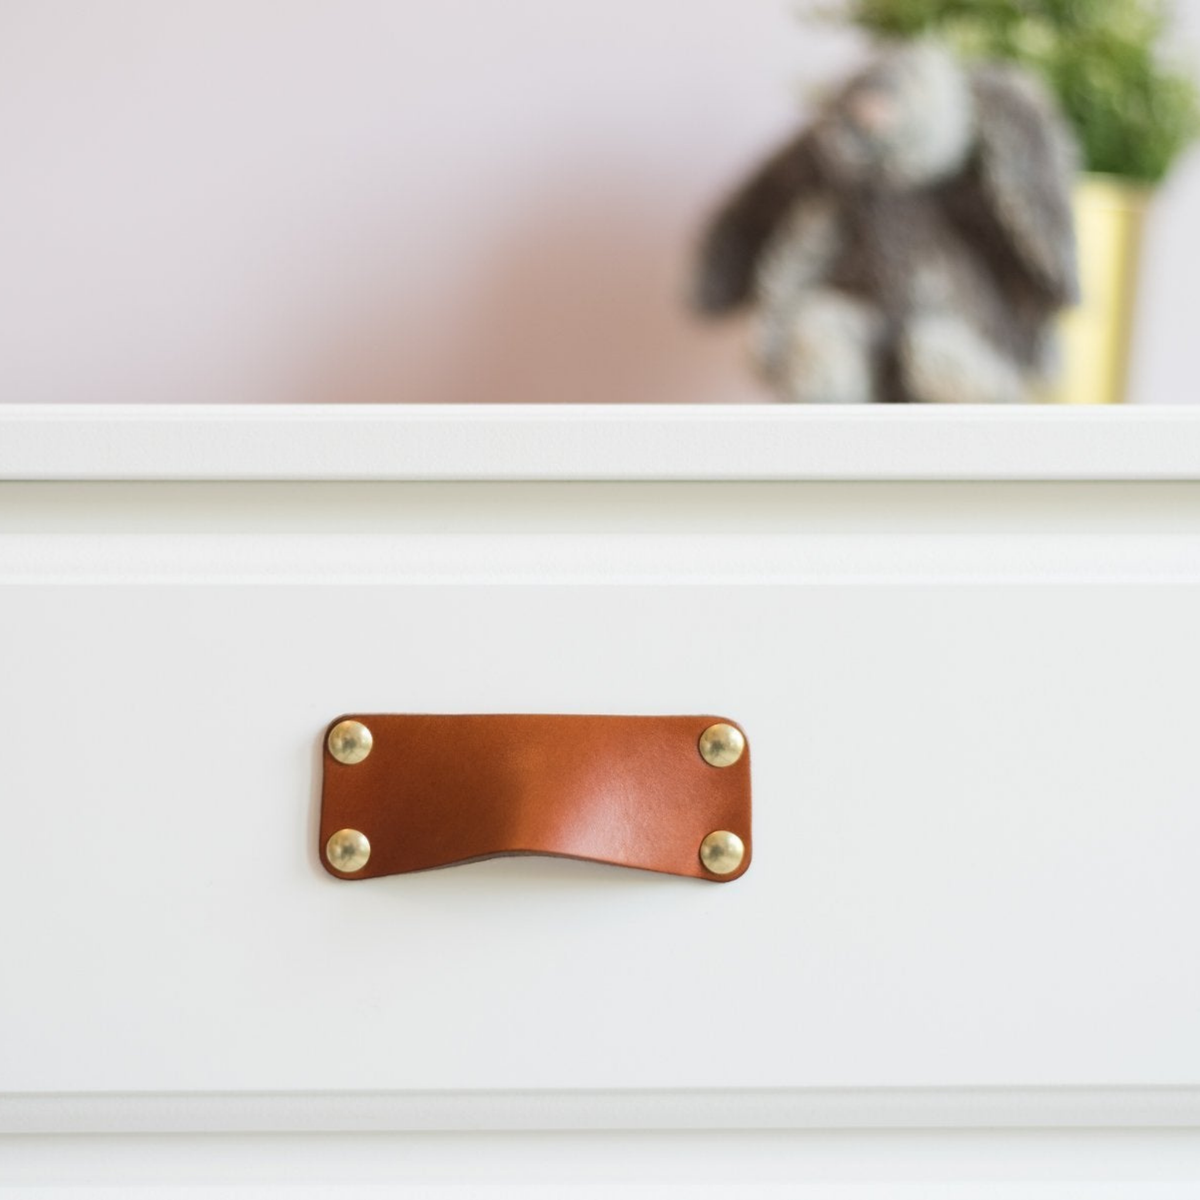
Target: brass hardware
(722, 852)
(722, 745)
(348, 850)
(350, 742)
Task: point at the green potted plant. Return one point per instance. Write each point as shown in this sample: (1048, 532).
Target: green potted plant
(1134, 113)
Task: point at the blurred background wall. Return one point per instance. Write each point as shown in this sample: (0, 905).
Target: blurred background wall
(412, 200)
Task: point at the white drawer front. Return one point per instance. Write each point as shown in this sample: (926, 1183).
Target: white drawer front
(975, 812)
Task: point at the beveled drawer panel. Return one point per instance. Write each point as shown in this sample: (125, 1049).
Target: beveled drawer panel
(974, 788)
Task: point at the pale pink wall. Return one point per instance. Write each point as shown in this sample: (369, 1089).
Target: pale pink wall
(391, 200)
(1167, 338)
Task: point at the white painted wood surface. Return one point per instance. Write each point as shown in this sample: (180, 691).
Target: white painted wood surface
(678, 1165)
(975, 830)
(593, 442)
(974, 891)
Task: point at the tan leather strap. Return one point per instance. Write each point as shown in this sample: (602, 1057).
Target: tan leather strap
(432, 791)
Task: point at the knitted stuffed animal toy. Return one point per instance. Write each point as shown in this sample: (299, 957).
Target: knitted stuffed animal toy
(912, 245)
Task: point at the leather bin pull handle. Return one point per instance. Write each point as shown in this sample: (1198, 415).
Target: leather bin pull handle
(405, 793)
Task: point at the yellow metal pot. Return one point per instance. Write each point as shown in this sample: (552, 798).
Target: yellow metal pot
(1095, 337)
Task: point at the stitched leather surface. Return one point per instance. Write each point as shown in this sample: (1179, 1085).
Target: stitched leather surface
(439, 790)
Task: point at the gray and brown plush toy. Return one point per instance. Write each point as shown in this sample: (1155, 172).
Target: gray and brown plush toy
(912, 245)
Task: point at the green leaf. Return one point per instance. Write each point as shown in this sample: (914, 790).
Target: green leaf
(1134, 110)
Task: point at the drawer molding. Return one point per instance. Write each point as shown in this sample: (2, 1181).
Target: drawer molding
(569, 1110)
(592, 442)
(758, 535)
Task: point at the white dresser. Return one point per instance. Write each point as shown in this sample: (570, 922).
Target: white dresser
(965, 647)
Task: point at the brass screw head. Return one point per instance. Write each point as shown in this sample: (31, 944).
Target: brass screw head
(350, 742)
(722, 852)
(722, 745)
(348, 850)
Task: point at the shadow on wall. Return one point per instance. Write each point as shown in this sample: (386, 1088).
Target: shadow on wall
(581, 297)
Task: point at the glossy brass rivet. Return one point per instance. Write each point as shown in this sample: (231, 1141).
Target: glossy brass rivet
(350, 742)
(722, 745)
(722, 852)
(348, 850)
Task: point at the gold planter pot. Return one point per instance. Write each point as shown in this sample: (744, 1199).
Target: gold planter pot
(1110, 215)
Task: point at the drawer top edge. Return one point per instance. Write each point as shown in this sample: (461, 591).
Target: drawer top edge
(594, 443)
